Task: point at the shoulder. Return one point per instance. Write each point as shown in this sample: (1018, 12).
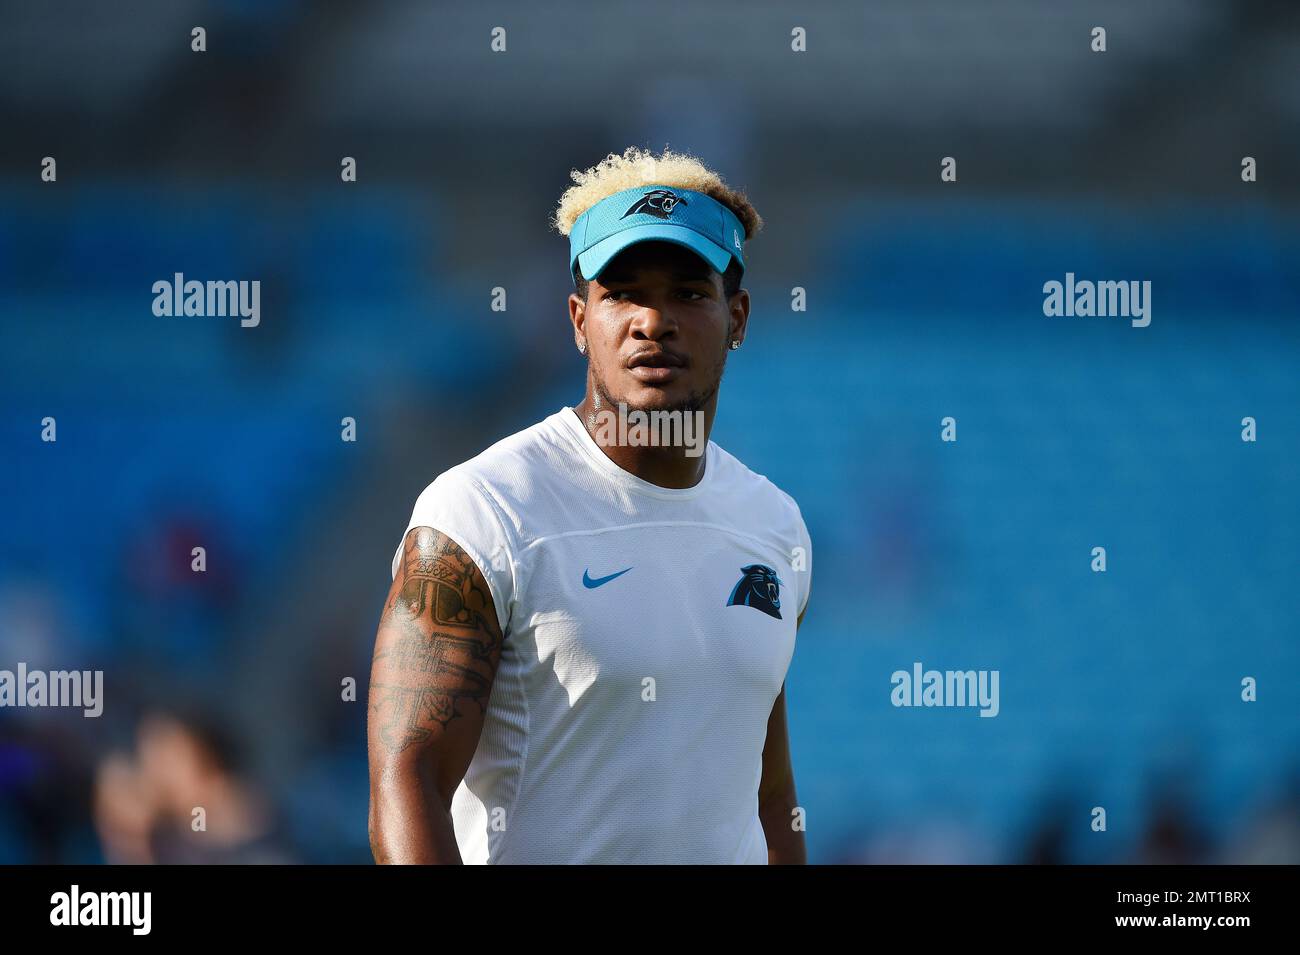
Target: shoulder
(505, 476)
(765, 510)
(759, 497)
(479, 505)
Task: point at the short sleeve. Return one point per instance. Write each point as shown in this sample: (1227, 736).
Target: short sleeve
(803, 568)
(458, 506)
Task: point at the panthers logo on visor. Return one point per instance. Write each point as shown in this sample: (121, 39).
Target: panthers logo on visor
(657, 202)
(760, 588)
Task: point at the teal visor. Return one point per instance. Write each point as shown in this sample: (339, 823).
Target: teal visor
(682, 216)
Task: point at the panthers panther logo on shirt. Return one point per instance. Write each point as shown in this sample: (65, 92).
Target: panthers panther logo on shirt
(759, 587)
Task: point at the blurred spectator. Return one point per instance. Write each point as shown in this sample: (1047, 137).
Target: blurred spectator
(147, 803)
(1172, 836)
(1271, 837)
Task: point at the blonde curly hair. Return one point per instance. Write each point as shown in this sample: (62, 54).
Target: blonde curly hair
(639, 167)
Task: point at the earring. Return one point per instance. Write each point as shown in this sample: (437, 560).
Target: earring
(582, 349)
(734, 344)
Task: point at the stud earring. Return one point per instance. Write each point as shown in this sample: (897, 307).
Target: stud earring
(734, 344)
(582, 348)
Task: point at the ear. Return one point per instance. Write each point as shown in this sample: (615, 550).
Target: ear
(578, 316)
(738, 315)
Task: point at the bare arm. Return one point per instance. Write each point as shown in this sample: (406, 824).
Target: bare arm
(776, 793)
(436, 655)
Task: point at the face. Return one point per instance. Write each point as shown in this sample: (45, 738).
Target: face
(656, 324)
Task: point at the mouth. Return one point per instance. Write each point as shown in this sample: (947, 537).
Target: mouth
(655, 367)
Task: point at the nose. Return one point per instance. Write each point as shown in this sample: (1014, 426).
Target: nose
(653, 323)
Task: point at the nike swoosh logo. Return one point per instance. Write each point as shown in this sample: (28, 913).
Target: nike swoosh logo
(593, 584)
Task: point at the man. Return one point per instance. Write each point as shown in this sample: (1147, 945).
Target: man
(582, 658)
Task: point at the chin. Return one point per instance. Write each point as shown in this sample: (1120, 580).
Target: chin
(643, 397)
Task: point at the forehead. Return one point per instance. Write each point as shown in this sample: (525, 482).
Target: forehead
(665, 259)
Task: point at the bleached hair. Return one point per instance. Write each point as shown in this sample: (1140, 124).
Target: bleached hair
(639, 167)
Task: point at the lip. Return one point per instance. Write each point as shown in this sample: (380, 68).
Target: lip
(655, 374)
(655, 359)
(655, 367)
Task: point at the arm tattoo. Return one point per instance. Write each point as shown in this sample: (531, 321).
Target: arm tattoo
(441, 581)
(440, 645)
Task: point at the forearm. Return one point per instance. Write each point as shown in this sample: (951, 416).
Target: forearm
(785, 843)
(409, 821)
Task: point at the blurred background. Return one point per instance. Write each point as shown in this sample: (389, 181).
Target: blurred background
(224, 689)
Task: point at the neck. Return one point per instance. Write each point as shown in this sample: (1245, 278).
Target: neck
(667, 466)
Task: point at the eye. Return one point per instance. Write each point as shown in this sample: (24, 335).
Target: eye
(612, 294)
(693, 295)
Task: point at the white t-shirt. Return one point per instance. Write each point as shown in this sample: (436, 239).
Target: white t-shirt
(648, 631)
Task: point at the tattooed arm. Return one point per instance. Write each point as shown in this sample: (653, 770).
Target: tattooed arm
(436, 654)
